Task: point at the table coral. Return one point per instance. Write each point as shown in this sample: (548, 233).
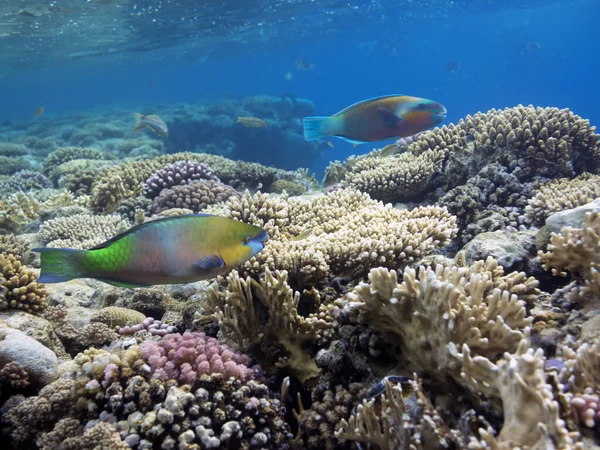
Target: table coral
(434, 308)
(348, 234)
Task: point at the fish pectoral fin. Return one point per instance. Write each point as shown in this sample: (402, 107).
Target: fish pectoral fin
(209, 263)
(390, 119)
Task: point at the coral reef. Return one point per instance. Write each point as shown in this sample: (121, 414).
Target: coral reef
(19, 288)
(176, 174)
(349, 233)
(81, 231)
(194, 196)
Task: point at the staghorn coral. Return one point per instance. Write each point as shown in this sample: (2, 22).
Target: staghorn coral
(282, 339)
(21, 289)
(117, 317)
(194, 196)
(81, 231)
(531, 412)
(176, 174)
(560, 195)
(398, 421)
(435, 308)
(349, 233)
(577, 250)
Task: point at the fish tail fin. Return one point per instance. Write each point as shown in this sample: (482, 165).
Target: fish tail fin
(60, 264)
(319, 127)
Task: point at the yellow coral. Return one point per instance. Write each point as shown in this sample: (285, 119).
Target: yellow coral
(22, 291)
(116, 316)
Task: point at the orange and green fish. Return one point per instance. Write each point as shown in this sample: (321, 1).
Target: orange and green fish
(173, 250)
(376, 119)
(151, 121)
(252, 122)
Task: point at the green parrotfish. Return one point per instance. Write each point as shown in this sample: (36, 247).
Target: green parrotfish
(376, 119)
(173, 250)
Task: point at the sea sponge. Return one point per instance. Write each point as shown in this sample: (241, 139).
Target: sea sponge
(560, 195)
(116, 316)
(194, 196)
(348, 233)
(21, 289)
(81, 231)
(179, 173)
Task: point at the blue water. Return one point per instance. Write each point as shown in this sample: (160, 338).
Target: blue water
(504, 56)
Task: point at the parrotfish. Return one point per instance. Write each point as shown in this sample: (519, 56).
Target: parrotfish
(173, 250)
(252, 122)
(377, 119)
(151, 121)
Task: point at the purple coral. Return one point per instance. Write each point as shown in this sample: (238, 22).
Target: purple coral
(177, 174)
(195, 196)
(184, 357)
(154, 327)
(586, 408)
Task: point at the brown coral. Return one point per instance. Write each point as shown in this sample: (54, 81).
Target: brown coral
(194, 196)
(116, 316)
(348, 233)
(22, 291)
(436, 308)
(81, 231)
(560, 195)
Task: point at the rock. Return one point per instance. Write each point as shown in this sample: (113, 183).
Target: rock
(512, 249)
(35, 327)
(571, 217)
(72, 293)
(38, 360)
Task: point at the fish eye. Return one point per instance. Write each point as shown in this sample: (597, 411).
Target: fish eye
(247, 239)
(422, 106)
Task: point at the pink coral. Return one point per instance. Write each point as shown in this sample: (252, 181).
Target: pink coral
(185, 357)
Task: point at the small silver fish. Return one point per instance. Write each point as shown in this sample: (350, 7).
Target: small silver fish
(151, 121)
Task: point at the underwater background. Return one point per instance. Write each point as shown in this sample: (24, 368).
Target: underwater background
(469, 55)
(183, 267)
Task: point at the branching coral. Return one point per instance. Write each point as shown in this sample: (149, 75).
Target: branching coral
(24, 181)
(21, 290)
(81, 231)
(177, 174)
(531, 414)
(117, 317)
(442, 306)
(194, 196)
(65, 154)
(284, 337)
(399, 420)
(562, 194)
(348, 234)
(577, 250)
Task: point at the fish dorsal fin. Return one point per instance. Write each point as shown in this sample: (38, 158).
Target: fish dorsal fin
(142, 226)
(209, 263)
(390, 119)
